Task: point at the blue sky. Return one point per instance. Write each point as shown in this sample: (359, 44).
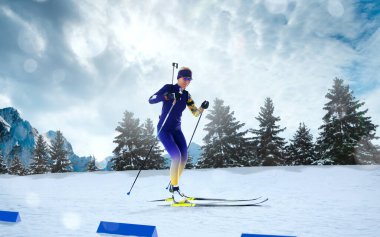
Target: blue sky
(76, 66)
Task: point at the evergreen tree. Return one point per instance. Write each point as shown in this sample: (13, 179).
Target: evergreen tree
(15, 152)
(344, 127)
(58, 154)
(189, 164)
(91, 165)
(270, 147)
(301, 150)
(3, 166)
(367, 153)
(129, 150)
(155, 159)
(39, 164)
(110, 165)
(17, 168)
(225, 145)
(14, 164)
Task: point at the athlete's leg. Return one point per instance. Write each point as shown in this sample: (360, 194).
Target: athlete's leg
(171, 147)
(180, 140)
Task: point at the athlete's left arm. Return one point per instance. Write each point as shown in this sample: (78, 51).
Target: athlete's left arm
(193, 108)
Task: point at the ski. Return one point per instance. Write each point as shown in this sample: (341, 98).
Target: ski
(208, 199)
(215, 204)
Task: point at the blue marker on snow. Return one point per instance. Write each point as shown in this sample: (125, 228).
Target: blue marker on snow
(255, 235)
(126, 229)
(10, 216)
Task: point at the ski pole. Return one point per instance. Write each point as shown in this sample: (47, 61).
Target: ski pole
(175, 65)
(188, 146)
(155, 139)
(200, 116)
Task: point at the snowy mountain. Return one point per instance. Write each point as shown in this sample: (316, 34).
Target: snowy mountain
(14, 132)
(4, 124)
(195, 151)
(18, 136)
(105, 165)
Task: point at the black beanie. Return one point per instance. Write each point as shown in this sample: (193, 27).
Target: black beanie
(184, 73)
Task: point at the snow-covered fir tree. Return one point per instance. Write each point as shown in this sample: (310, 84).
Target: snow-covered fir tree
(16, 151)
(155, 159)
(344, 126)
(225, 146)
(14, 163)
(91, 165)
(189, 164)
(16, 168)
(301, 150)
(40, 164)
(3, 166)
(367, 153)
(130, 149)
(270, 146)
(58, 155)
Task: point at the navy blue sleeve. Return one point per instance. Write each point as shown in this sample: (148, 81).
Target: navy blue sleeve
(159, 95)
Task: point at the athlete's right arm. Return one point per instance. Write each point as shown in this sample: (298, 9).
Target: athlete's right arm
(159, 95)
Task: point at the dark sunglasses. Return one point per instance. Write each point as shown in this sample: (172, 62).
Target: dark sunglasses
(187, 78)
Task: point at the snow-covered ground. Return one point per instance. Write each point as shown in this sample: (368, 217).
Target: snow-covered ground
(303, 201)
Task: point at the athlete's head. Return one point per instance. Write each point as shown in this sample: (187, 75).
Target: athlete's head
(184, 77)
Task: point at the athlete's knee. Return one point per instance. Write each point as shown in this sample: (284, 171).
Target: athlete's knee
(184, 158)
(175, 155)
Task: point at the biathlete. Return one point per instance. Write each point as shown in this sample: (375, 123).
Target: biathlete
(170, 133)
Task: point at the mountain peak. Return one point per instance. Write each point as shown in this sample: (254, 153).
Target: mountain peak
(10, 115)
(51, 134)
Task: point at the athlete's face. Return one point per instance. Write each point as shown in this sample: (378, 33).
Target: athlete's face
(183, 82)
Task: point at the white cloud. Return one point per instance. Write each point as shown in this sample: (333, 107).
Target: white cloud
(86, 41)
(369, 60)
(31, 41)
(293, 62)
(240, 52)
(30, 65)
(372, 104)
(88, 37)
(58, 76)
(30, 38)
(5, 101)
(276, 6)
(335, 8)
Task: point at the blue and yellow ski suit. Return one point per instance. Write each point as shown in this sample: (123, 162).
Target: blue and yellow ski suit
(171, 134)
